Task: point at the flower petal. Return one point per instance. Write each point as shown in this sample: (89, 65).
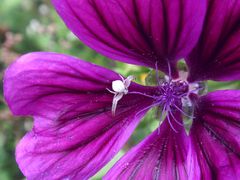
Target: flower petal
(74, 132)
(216, 134)
(140, 32)
(76, 149)
(162, 155)
(56, 86)
(217, 53)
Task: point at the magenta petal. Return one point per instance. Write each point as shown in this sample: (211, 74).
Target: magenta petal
(74, 132)
(140, 32)
(217, 53)
(216, 135)
(77, 149)
(56, 86)
(163, 155)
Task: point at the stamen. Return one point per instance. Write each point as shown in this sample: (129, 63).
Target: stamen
(146, 108)
(175, 118)
(180, 110)
(169, 121)
(161, 118)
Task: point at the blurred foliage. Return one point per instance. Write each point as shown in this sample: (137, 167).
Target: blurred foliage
(33, 25)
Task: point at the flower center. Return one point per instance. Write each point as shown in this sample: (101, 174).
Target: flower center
(172, 95)
(172, 92)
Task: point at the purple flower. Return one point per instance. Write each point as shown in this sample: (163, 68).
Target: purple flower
(83, 113)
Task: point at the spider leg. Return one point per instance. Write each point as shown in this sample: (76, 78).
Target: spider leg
(116, 98)
(111, 91)
(128, 81)
(121, 77)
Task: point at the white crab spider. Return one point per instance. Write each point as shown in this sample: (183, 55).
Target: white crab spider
(120, 88)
